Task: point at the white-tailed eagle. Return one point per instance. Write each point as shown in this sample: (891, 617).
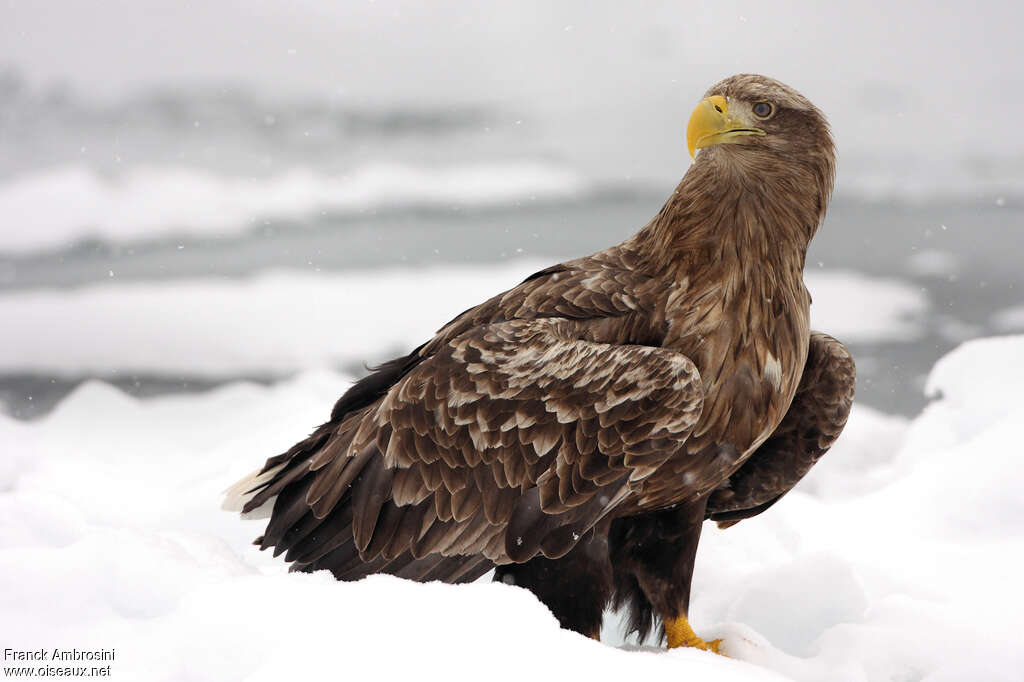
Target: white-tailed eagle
(575, 431)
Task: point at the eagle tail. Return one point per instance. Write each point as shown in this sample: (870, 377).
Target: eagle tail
(328, 527)
(255, 494)
(241, 493)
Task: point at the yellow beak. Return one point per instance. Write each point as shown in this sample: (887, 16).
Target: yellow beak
(711, 124)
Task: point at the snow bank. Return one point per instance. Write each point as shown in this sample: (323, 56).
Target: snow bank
(60, 206)
(280, 322)
(902, 560)
(114, 505)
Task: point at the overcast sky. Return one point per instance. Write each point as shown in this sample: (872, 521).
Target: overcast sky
(913, 74)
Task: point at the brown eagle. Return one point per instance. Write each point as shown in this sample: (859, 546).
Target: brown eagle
(575, 431)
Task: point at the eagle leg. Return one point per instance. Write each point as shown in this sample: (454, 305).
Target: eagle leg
(653, 556)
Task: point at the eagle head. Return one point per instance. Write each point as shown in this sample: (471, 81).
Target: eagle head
(766, 131)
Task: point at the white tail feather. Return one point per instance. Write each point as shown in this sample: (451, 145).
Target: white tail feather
(238, 495)
(262, 511)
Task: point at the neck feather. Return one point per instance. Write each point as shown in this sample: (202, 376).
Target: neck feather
(724, 211)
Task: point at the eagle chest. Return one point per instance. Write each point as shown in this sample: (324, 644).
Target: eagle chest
(750, 349)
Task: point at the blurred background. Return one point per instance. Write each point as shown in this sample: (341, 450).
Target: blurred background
(199, 193)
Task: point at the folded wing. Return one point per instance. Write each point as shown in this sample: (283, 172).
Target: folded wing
(509, 441)
(812, 424)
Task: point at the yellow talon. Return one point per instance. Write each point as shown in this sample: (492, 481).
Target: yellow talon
(679, 633)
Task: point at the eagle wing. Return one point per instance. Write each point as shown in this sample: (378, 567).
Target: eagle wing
(505, 438)
(812, 424)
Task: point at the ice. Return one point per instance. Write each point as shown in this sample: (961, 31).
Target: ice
(279, 322)
(934, 263)
(1009, 319)
(855, 307)
(70, 203)
(900, 559)
(873, 175)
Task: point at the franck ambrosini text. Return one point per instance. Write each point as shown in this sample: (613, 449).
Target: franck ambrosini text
(54, 658)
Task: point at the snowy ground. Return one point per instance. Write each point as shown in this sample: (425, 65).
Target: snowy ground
(898, 559)
(282, 321)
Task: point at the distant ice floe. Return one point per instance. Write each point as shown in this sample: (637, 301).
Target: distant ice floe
(57, 207)
(919, 179)
(280, 322)
(1009, 319)
(900, 557)
(60, 206)
(855, 307)
(934, 263)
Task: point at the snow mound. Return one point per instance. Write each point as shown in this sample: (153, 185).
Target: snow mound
(67, 204)
(862, 460)
(901, 561)
(280, 322)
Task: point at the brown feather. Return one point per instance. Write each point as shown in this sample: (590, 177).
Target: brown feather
(332, 533)
(409, 529)
(370, 491)
(387, 524)
(331, 488)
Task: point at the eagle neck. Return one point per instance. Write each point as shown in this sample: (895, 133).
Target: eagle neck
(722, 213)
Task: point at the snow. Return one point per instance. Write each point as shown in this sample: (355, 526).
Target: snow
(898, 560)
(280, 322)
(864, 459)
(146, 202)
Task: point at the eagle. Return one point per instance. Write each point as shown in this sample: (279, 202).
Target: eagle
(574, 432)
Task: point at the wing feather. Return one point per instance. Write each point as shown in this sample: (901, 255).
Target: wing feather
(522, 409)
(501, 438)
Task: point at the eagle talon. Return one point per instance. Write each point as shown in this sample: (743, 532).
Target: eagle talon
(679, 633)
(715, 646)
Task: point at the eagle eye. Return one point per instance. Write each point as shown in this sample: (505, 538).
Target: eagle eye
(763, 109)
